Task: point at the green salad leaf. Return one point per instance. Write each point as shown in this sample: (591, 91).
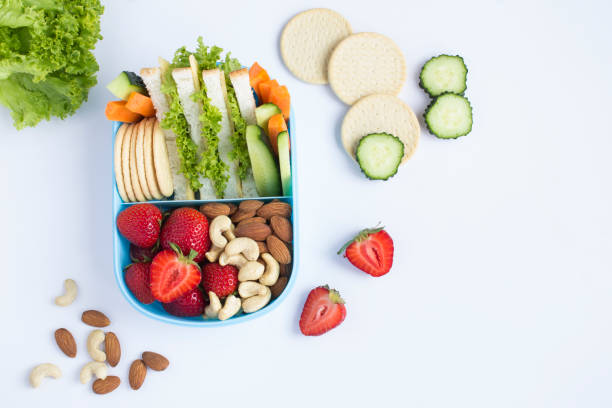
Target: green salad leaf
(46, 64)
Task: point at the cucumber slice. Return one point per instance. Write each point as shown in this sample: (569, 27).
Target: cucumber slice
(263, 114)
(379, 155)
(265, 173)
(444, 73)
(126, 83)
(284, 162)
(449, 116)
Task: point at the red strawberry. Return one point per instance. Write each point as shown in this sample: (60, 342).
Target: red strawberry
(187, 228)
(137, 279)
(140, 224)
(138, 254)
(324, 309)
(190, 304)
(222, 280)
(371, 251)
(173, 274)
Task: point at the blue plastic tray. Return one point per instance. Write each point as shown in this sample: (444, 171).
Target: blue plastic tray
(155, 310)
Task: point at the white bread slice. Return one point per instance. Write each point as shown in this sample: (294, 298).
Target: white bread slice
(192, 110)
(152, 79)
(214, 83)
(246, 103)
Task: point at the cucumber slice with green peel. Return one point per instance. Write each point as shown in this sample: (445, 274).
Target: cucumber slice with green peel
(449, 116)
(126, 83)
(263, 114)
(444, 73)
(379, 155)
(284, 162)
(265, 172)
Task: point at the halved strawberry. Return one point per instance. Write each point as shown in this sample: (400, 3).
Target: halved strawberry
(371, 251)
(324, 309)
(173, 274)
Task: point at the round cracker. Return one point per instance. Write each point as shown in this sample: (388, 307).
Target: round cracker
(162, 162)
(117, 159)
(148, 160)
(133, 168)
(140, 165)
(366, 64)
(377, 114)
(308, 40)
(125, 162)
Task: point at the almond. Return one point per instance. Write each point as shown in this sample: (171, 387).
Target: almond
(278, 249)
(107, 385)
(252, 219)
(138, 372)
(279, 286)
(212, 210)
(282, 228)
(155, 361)
(250, 205)
(65, 341)
(263, 248)
(233, 208)
(285, 270)
(274, 208)
(257, 231)
(95, 318)
(112, 349)
(242, 215)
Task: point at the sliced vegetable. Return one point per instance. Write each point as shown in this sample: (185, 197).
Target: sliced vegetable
(444, 73)
(449, 116)
(265, 173)
(276, 124)
(257, 75)
(265, 88)
(379, 155)
(284, 162)
(126, 83)
(138, 103)
(116, 110)
(280, 97)
(264, 112)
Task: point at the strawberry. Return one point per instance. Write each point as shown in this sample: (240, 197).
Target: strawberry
(140, 224)
(137, 278)
(173, 274)
(324, 309)
(222, 280)
(188, 229)
(138, 254)
(371, 251)
(190, 304)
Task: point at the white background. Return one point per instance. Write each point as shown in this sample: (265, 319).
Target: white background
(500, 294)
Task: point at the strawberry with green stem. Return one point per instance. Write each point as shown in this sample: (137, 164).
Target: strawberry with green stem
(173, 274)
(371, 251)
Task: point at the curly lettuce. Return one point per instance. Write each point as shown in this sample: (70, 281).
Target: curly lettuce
(46, 64)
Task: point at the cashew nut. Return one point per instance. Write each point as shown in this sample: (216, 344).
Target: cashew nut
(229, 234)
(237, 260)
(96, 337)
(231, 307)
(213, 254)
(245, 246)
(219, 225)
(93, 367)
(44, 370)
(254, 303)
(250, 271)
(250, 288)
(70, 294)
(272, 272)
(212, 310)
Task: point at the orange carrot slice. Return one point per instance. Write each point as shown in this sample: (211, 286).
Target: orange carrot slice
(276, 124)
(257, 75)
(280, 97)
(265, 88)
(138, 103)
(116, 110)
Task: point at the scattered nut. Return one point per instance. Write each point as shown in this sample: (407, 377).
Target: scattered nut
(212, 210)
(138, 372)
(270, 276)
(95, 318)
(109, 384)
(230, 308)
(250, 220)
(71, 289)
(212, 310)
(254, 303)
(279, 286)
(155, 361)
(278, 249)
(112, 349)
(44, 370)
(274, 208)
(93, 367)
(65, 341)
(250, 205)
(242, 215)
(252, 270)
(263, 248)
(245, 246)
(94, 340)
(257, 231)
(282, 228)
